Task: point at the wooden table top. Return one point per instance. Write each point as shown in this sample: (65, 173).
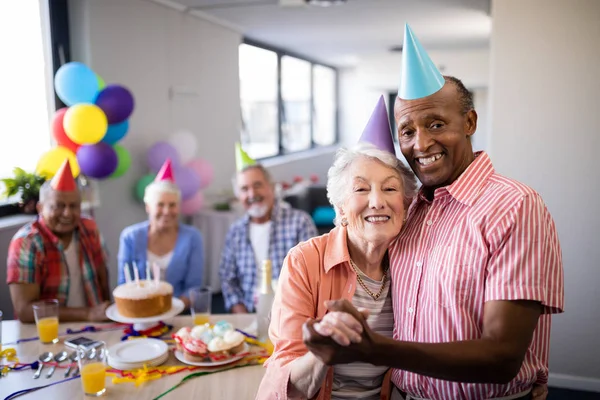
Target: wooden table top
(241, 383)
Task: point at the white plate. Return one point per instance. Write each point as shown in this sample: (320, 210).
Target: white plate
(138, 350)
(177, 307)
(128, 366)
(180, 357)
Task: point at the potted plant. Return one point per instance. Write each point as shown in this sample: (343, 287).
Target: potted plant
(27, 185)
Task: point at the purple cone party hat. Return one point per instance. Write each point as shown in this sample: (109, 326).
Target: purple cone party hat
(378, 131)
(420, 77)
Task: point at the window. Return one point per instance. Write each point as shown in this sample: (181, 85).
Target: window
(288, 103)
(27, 95)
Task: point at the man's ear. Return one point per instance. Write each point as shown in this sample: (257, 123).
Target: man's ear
(470, 122)
(39, 207)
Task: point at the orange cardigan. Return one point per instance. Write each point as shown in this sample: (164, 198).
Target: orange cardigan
(313, 272)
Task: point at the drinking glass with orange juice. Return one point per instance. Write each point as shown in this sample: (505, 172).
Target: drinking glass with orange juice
(46, 320)
(200, 303)
(93, 369)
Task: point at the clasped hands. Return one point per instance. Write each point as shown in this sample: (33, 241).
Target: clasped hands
(342, 336)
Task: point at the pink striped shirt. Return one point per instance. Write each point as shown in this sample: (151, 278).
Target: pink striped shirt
(482, 238)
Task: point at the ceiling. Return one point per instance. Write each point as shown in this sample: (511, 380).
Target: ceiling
(342, 35)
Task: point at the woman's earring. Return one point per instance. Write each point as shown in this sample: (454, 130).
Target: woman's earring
(344, 222)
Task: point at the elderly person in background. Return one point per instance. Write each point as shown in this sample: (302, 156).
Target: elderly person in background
(369, 189)
(267, 231)
(175, 247)
(59, 256)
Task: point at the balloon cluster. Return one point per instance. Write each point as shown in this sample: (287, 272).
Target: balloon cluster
(192, 174)
(87, 131)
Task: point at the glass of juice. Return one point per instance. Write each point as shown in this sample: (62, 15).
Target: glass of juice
(93, 369)
(46, 320)
(200, 303)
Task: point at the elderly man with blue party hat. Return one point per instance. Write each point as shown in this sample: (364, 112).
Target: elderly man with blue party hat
(267, 231)
(477, 269)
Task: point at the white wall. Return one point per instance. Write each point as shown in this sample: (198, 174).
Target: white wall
(378, 74)
(544, 132)
(153, 49)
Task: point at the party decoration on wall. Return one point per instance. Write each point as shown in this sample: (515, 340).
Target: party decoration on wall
(191, 174)
(88, 130)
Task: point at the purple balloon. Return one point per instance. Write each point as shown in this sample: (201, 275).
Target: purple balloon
(188, 181)
(158, 154)
(97, 160)
(116, 102)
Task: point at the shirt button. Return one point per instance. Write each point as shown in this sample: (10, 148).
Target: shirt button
(419, 264)
(429, 223)
(410, 310)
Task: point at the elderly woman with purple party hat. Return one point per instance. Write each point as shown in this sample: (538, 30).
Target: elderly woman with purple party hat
(370, 190)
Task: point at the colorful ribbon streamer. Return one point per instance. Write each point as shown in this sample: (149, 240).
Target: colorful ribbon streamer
(87, 328)
(27, 391)
(155, 332)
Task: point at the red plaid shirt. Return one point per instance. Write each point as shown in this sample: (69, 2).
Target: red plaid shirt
(35, 255)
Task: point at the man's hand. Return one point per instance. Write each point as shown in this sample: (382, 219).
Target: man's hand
(239, 309)
(358, 346)
(539, 392)
(98, 313)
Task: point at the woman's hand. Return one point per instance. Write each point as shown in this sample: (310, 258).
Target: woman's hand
(341, 326)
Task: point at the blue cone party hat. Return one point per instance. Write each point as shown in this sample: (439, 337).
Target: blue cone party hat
(420, 77)
(378, 131)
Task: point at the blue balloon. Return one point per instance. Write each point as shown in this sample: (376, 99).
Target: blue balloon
(76, 83)
(116, 132)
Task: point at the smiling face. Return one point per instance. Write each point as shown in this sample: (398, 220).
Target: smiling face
(434, 133)
(256, 193)
(163, 210)
(61, 211)
(374, 208)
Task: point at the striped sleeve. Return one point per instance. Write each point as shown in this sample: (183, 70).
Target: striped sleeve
(23, 260)
(527, 262)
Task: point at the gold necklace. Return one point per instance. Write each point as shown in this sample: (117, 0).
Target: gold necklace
(373, 295)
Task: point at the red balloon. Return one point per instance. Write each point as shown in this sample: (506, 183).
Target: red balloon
(58, 131)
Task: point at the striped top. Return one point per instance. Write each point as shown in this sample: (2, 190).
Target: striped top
(361, 380)
(482, 238)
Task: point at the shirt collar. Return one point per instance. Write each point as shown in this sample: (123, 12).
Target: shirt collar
(470, 183)
(336, 251)
(50, 235)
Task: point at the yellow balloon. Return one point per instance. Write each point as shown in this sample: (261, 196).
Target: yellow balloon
(85, 123)
(51, 161)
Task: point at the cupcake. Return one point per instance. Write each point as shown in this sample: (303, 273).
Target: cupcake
(195, 350)
(221, 348)
(181, 337)
(221, 327)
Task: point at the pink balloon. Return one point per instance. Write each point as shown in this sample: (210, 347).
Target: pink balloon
(204, 169)
(192, 205)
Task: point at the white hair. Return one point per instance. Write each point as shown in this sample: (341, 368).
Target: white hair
(155, 189)
(338, 179)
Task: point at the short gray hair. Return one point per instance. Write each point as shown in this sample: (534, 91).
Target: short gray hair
(155, 189)
(46, 188)
(338, 179)
(260, 167)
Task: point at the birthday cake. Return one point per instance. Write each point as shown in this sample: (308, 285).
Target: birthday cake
(143, 298)
(204, 343)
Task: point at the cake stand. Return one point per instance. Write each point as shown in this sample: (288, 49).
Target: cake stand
(141, 324)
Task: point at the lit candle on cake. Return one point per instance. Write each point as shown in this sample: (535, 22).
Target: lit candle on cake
(148, 271)
(127, 273)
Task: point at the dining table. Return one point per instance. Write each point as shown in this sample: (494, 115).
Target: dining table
(234, 383)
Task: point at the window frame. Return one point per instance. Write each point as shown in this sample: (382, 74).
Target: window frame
(280, 53)
(60, 52)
